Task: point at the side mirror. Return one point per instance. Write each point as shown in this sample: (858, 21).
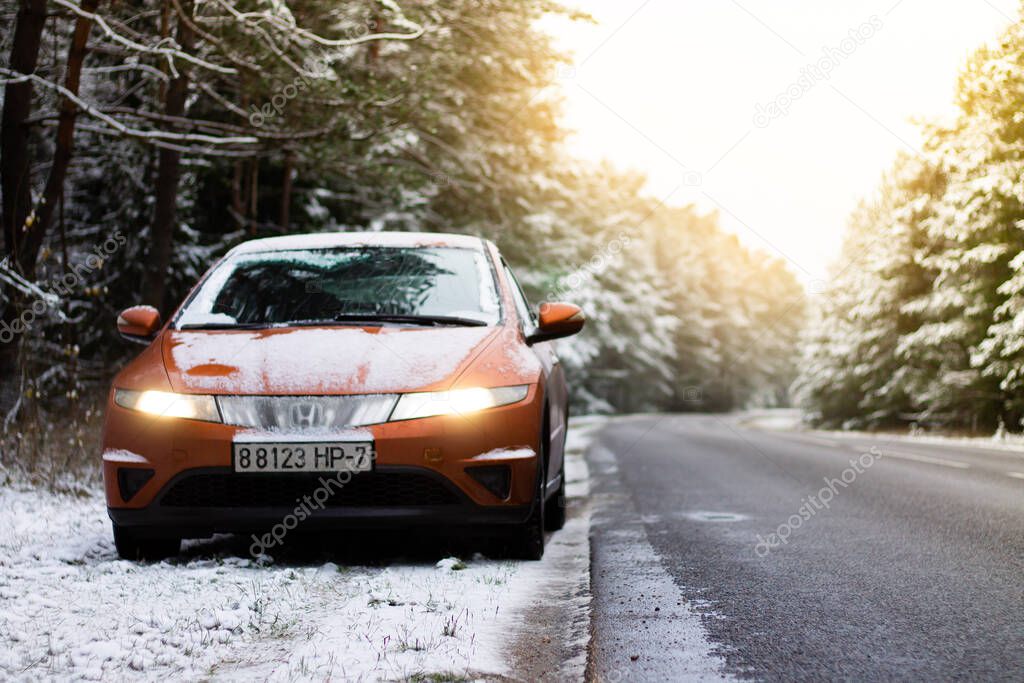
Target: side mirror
(139, 324)
(556, 321)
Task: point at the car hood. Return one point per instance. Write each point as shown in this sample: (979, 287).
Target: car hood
(320, 360)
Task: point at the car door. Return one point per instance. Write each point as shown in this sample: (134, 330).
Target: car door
(555, 386)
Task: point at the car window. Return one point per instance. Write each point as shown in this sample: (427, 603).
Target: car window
(522, 305)
(308, 285)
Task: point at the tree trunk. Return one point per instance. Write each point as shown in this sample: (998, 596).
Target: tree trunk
(14, 154)
(373, 49)
(238, 179)
(254, 182)
(64, 148)
(15, 176)
(237, 207)
(286, 190)
(154, 287)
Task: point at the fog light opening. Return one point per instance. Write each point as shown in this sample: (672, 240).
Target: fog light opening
(495, 478)
(130, 481)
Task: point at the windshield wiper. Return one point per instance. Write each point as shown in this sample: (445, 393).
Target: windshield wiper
(361, 318)
(435, 320)
(223, 326)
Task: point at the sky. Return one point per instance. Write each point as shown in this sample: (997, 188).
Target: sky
(778, 114)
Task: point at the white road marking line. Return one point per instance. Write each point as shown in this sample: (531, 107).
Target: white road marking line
(1015, 475)
(824, 442)
(814, 439)
(924, 458)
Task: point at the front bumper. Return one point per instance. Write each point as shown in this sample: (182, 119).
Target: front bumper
(184, 507)
(421, 475)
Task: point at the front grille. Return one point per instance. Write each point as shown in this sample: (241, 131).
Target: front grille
(299, 413)
(370, 489)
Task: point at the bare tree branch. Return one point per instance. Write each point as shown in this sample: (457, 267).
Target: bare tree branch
(169, 53)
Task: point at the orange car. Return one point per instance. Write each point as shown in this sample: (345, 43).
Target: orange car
(340, 379)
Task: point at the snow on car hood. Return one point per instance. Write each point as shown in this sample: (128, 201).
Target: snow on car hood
(309, 361)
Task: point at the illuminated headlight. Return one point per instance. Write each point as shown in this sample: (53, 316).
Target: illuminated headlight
(456, 402)
(167, 404)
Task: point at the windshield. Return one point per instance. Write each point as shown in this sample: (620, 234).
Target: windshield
(435, 285)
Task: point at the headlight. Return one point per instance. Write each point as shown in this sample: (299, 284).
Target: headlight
(457, 402)
(167, 404)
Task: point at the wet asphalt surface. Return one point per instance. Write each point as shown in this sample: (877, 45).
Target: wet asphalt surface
(913, 571)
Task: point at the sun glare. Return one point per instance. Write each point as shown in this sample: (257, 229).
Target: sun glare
(778, 117)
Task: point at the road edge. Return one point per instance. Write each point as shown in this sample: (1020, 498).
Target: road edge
(552, 639)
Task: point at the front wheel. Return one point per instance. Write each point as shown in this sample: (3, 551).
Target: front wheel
(528, 539)
(134, 545)
(554, 516)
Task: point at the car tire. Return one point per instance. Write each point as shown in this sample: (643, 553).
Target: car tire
(133, 545)
(554, 516)
(528, 540)
(529, 536)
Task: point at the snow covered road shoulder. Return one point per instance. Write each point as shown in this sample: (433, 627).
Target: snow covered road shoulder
(70, 609)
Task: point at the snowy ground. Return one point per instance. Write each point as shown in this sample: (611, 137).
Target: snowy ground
(789, 420)
(70, 609)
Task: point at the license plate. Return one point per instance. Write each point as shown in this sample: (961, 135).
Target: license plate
(344, 456)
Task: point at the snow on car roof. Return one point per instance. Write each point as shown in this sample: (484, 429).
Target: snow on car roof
(326, 240)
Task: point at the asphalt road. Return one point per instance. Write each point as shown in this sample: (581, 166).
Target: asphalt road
(912, 568)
